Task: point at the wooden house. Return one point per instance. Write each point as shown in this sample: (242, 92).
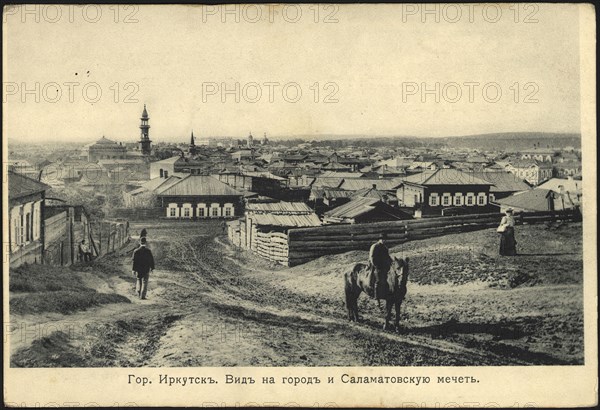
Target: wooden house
(26, 201)
(433, 191)
(362, 210)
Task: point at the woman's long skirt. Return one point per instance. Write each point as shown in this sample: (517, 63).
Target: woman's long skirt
(508, 245)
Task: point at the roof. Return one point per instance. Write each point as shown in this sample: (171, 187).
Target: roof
(329, 193)
(569, 185)
(171, 160)
(339, 174)
(528, 163)
(370, 193)
(327, 182)
(362, 183)
(105, 141)
(279, 207)
(354, 208)
(445, 176)
(295, 221)
(502, 181)
(20, 185)
(157, 182)
(198, 185)
(537, 200)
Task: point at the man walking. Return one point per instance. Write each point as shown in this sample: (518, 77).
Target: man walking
(143, 264)
(380, 260)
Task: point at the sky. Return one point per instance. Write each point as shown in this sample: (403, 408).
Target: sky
(295, 70)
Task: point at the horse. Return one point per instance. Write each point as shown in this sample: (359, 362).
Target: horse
(361, 279)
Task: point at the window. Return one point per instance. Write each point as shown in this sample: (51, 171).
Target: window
(201, 212)
(470, 199)
(433, 200)
(27, 227)
(446, 200)
(458, 199)
(215, 212)
(172, 212)
(481, 200)
(186, 212)
(228, 211)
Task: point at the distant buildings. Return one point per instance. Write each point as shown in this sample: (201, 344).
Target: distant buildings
(105, 149)
(145, 144)
(531, 170)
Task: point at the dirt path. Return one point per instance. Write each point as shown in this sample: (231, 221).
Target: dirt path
(211, 305)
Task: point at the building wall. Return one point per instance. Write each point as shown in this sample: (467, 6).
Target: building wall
(202, 208)
(156, 167)
(534, 174)
(26, 231)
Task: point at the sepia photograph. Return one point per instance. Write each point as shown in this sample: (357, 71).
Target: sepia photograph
(299, 204)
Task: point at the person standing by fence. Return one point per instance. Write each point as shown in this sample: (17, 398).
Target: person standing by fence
(85, 255)
(506, 229)
(143, 264)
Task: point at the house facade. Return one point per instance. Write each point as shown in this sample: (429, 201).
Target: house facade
(532, 171)
(26, 200)
(199, 197)
(433, 191)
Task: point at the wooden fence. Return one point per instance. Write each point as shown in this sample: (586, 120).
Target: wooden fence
(269, 245)
(306, 244)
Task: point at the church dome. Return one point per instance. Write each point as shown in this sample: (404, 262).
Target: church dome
(105, 141)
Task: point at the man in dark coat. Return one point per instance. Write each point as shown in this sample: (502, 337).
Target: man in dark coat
(143, 264)
(380, 260)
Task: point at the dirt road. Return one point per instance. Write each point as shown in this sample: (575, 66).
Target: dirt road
(210, 304)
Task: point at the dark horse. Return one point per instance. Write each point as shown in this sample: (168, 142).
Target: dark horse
(361, 279)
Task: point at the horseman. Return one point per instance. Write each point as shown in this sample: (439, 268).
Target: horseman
(380, 261)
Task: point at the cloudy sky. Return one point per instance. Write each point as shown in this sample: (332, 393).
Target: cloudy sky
(360, 69)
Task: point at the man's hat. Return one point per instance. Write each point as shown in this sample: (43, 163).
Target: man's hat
(509, 210)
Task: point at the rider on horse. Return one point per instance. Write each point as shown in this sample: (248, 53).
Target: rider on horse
(380, 261)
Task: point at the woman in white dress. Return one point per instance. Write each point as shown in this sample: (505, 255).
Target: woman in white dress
(508, 245)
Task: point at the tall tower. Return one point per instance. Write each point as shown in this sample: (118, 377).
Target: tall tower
(145, 143)
(192, 148)
(250, 141)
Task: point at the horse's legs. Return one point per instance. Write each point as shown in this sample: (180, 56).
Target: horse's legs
(397, 305)
(350, 302)
(356, 295)
(388, 313)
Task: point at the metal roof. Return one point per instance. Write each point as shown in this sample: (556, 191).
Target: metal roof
(362, 183)
(353, 208)
(20, 185)
(198, 185)
(537, 200)
(502, 181)
(292, 221)
(446, 176)
(279, 207)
